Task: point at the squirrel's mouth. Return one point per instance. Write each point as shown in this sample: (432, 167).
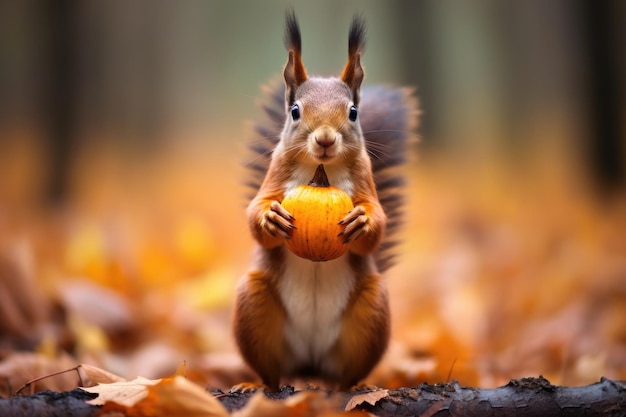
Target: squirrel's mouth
(324, 156)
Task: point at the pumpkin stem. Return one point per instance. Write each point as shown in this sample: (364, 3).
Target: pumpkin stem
(319, 178)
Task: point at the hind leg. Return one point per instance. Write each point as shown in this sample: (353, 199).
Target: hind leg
(258, 326)
(364, 335)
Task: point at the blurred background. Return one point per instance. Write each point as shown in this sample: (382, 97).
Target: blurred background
(123, 128)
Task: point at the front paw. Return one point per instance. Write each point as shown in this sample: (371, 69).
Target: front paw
(357, 224)
(276, 221)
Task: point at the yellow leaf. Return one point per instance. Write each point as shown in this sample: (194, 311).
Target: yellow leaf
(194, 242)
(212, 290)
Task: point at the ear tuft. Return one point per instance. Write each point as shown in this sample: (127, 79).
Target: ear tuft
(294, 73)
(353, 73)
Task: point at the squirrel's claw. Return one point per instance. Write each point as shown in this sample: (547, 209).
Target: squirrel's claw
(277, 221)
(357, 224)
(353, 214)
(245, 387)
(276, 207)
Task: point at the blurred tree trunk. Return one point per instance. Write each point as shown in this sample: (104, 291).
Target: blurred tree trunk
(601, 21)
(59, 101)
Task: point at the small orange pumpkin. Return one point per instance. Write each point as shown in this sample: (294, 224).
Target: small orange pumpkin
(317, 208)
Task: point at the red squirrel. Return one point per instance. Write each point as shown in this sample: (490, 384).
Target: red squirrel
(325, 320)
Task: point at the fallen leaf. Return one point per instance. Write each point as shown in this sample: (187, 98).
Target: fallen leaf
(145, 397)
(371, 397)
(181, 369)
(97, 305)
(179, 396)
(23, 307)
(99, 376)
(46, 373)
(126, 393)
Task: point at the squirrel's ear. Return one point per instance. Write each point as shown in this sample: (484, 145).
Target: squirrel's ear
(353, 76)
(294, 73)
(353, 72)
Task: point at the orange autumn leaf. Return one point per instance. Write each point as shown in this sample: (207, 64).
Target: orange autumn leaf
(145, 397)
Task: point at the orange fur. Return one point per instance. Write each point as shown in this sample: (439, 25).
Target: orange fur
(365, 195)
(259, 319)
(272, 189)
(365, 334)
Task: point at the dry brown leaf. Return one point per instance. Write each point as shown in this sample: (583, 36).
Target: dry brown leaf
(97, 305)
(99, 376)
(126, 393)
(179, 396)
(18, 368)
(169, 396)
(371, 398)
(23, 307)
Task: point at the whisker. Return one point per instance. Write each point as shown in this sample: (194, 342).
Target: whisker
(378, 150)
(264, 157)
(375, 150)
(261, 157)
(365, 132)
(263, 139)
(297, 147)
(380, 146)
(373, 154)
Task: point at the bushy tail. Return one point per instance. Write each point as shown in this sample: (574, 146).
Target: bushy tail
(388, 118)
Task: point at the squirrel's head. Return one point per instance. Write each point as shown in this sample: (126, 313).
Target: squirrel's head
(322, 123)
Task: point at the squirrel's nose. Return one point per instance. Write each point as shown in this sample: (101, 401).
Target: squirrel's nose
(325, 139)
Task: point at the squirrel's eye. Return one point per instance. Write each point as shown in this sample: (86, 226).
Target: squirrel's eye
(295, 112)
(353, 113)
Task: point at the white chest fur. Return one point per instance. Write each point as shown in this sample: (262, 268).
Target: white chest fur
(315, 294)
